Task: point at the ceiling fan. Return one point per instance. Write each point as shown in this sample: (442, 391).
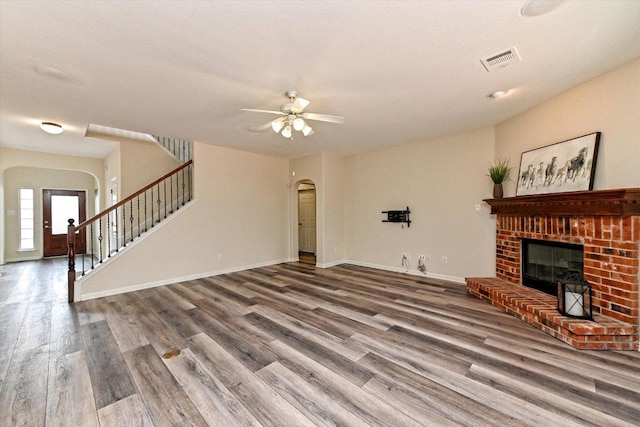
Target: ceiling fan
(293, 117)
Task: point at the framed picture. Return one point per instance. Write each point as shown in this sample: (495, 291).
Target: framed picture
(561, 167)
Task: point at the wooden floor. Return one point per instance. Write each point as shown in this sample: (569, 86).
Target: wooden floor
(307, 258)
(292, 345)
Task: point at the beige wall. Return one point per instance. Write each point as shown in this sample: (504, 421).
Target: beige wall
(442, 181)
(11, 157)
(333, 209)
(327, 173)
(111, 178)
(142, 162)
(609, 104)
(240, 212)
(38, 179)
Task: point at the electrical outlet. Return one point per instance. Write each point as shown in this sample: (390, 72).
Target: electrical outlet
(421, 265)
(220, 256)
(478, 208)
(444, 260)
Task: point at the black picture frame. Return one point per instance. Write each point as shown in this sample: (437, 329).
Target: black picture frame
(559, 168)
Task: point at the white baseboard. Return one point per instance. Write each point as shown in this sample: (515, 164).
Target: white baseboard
(34, 258)
(80, 297)
(148, 285)
(331, 264)
(410, 272)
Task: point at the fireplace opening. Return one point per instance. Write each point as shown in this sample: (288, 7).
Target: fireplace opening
(543, 262)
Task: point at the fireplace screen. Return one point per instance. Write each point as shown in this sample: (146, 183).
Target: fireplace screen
(543, 262)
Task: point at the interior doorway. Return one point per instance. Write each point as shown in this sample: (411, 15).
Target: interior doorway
(57, 207)
(307, 220)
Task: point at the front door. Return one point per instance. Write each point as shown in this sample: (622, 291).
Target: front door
(57, 207)
(307, 221)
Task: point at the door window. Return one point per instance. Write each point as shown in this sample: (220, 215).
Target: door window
(63, 208)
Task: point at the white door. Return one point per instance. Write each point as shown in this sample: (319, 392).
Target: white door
(307, 221)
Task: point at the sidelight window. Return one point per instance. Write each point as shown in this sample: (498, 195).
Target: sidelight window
(26, 219)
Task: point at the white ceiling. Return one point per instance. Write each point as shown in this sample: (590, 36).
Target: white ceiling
(398, 71)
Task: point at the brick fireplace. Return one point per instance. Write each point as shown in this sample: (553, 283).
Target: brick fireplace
(607, 224)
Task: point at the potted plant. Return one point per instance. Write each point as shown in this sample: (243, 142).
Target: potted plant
(499, 172)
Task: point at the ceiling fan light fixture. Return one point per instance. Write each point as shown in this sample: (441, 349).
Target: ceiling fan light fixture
(51, 128)
(292, 117)
(306, 130)
(277, 126)
(299, 124)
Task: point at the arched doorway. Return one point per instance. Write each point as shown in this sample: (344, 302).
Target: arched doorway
(307, 222)
(30, 222)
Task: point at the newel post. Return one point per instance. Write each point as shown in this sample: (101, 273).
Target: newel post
(71, 243)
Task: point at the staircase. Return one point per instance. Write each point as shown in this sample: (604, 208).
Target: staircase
(97, 239)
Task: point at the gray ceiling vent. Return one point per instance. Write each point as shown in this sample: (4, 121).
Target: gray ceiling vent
(501, 59)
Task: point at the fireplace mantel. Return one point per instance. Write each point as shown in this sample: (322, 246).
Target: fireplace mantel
(620, 202)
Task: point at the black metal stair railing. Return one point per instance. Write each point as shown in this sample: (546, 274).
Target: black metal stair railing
(114, 228)
(181, 149)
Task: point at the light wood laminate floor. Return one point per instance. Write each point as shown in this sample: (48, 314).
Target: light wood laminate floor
(292, 345)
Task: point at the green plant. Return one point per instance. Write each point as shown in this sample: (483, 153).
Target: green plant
(499, 171)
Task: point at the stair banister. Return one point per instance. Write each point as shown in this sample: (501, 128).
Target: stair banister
(183, 195)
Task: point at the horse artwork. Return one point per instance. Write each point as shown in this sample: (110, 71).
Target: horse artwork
(561, 167)
(577, 164)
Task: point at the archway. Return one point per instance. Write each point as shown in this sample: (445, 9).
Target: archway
(36, 179)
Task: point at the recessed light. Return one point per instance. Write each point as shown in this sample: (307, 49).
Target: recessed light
(498, 94)
(52, 128)
(539, 7)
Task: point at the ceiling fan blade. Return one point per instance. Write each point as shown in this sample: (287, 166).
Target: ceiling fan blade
(299, 104)
(323, 118)
(266, 125)
(263, 111)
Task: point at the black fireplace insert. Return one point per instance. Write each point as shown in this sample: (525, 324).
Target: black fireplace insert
(543, 262)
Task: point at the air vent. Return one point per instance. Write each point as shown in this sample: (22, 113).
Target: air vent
(501, 59)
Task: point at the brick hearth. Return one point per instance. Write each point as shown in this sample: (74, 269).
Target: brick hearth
(607, 224)
(539, 309)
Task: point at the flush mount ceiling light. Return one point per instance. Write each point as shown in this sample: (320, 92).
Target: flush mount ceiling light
(539, 7)
(52, 128)
(498, 94)
(52, 72)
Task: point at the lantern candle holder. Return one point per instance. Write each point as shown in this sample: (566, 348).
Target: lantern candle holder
(574, 295)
